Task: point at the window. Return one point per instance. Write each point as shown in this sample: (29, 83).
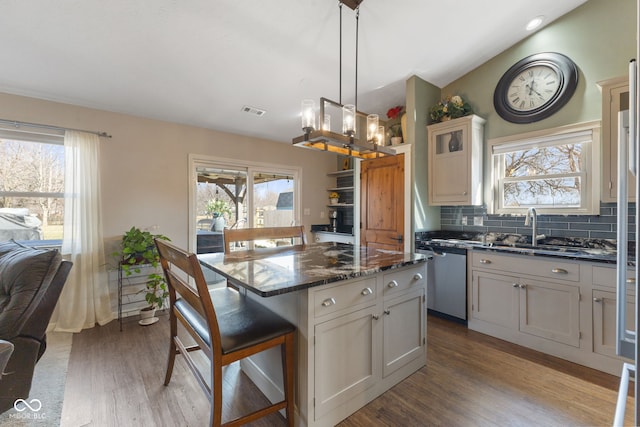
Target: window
(232, 194)
(554, 171)
(31, 187)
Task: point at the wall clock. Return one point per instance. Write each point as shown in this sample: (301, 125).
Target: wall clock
(535, 87)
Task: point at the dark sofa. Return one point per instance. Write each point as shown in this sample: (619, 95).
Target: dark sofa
(30, 284)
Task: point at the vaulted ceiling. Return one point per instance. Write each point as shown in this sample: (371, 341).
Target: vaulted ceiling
(199, 62)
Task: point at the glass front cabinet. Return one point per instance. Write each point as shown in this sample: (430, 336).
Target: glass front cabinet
(455, 161)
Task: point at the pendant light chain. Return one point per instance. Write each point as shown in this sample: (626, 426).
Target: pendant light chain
(357, 24)
(340, 71)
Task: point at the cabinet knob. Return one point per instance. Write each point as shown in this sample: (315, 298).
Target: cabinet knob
(418, 276)
(597, 299)
(387, 312)
(485, 261)
(366, 291)
(328, 302)
(631, 280)
(393, 284)
(375, 316)
(515, 285)
(522, 286)
(559, 271)
(464, 193)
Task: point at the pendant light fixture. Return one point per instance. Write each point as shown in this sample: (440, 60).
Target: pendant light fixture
(362, 134)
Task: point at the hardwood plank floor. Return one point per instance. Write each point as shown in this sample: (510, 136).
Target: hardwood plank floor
(115, 379)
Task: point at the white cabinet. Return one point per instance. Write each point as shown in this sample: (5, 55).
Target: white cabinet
(326, 236)
(536, 300)
(347, 359)
(559, 306)
(604, 310)
(615, 98)
(550, 310)
(367, 335)
(455, 161)
(495, 299)
(403, 331)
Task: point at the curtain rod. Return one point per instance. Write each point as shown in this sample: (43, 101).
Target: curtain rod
(17, 123)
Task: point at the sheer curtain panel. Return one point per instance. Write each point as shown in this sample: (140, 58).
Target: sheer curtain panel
(85, 298)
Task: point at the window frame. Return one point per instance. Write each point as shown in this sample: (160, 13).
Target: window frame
(588, 134)
(251, 168)
(29, 134)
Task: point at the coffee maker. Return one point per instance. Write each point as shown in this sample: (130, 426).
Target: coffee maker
(333, 220)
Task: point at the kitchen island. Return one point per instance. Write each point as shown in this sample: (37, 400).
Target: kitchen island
(361, 319)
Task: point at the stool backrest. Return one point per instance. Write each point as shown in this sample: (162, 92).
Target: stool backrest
(186, 280)
(280, 234)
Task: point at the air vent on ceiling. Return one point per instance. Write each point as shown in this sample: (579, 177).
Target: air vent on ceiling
(254, 110)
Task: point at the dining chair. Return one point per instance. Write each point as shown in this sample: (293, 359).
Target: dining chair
(226, 326)
(278, 234)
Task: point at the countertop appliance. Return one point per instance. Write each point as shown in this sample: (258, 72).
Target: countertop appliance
(446, 279)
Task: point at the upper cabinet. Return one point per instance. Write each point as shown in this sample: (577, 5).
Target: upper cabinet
(615, 98)
(455, 161)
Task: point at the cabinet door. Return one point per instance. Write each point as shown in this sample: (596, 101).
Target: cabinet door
(495, 299)
(347, 358)
(550, 310)
(615, 98)
(604, 321)
(404, 331)
(449, 170)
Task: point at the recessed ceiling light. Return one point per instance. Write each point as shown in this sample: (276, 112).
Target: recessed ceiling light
(254, 110)
(535, 23)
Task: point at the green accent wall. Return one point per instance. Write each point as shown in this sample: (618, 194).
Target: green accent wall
(420, 96)
(599, 36)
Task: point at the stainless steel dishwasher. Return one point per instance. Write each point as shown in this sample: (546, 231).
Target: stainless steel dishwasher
(447, 280)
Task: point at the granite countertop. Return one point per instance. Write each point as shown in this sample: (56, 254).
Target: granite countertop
(292, 270)
(583, 249)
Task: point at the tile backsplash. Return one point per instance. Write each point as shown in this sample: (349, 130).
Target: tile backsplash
(601, 226)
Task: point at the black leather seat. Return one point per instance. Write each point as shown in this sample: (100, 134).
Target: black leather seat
(226, 326)
(30, 284)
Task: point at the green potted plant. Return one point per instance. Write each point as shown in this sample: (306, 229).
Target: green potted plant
(137, 249)
(217, 208)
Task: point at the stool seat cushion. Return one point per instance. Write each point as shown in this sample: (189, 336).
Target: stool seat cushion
(242, 322)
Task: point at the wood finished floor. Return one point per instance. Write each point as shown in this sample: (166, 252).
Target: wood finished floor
(115, 379)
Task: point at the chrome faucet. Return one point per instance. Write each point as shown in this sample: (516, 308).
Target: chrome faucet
(532, 219)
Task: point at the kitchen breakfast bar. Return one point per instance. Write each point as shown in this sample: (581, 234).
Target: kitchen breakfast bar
(360, 314)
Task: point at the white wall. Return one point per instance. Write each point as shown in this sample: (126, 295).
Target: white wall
(144, 167)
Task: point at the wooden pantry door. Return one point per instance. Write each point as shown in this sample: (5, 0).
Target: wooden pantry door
(382, 203)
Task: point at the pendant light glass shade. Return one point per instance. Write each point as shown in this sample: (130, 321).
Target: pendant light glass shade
(349, 120)
(308, 115)
(326, 122)
(372, 127)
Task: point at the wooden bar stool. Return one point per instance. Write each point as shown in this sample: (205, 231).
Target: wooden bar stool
(226, 326)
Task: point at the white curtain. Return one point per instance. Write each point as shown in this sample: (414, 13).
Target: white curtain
(85, 297)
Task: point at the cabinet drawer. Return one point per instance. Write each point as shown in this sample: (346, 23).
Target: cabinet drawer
(529, 265)
(606, 276)
(330, 300)
(397, 281)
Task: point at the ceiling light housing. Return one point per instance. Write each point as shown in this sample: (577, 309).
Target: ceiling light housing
(535, 23)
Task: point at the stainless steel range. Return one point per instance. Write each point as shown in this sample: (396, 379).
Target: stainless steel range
(447, 281)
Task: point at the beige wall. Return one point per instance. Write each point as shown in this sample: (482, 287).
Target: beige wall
(144, 167)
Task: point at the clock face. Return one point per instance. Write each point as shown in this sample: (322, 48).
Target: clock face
(535, 87)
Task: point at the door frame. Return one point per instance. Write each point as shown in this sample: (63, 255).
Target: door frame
(408, 197)
(201, 160)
